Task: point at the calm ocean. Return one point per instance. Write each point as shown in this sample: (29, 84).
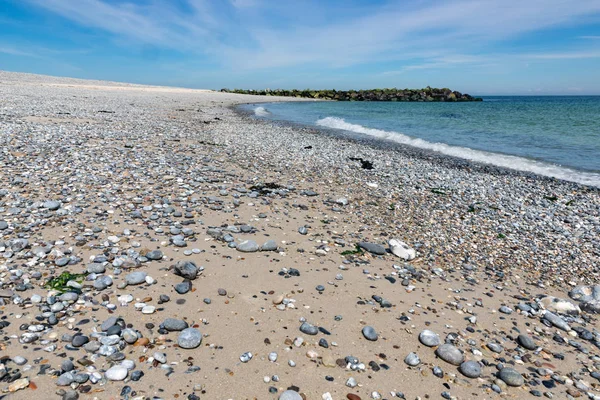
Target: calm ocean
(556, 136)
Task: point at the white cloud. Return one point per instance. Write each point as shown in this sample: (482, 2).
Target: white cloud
(239, 33)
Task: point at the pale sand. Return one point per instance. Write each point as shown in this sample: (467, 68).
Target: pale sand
(243, 321)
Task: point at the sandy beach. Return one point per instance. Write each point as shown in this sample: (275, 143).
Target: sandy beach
(226, 257)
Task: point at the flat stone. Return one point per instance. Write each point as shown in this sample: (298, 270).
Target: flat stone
(3, 225)
(429, 338)
(154, 255)
(52, 205)
(372, 248)
(402, 250)
(173, 324)
(116, 373)
(470, 369)
(369, 333)
(270, 245)
(412, 359)
(309, 329)
(186, 269)
(189, 338)
(450, 354)
(290, 395)
(183, 287)
(135, 278)
(247, 246)
(511, 377)
(527, 342)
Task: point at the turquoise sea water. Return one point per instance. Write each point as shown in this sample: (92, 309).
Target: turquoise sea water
(556, 136)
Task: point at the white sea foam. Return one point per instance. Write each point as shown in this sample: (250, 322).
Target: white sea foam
(261, 112)
(501, 160)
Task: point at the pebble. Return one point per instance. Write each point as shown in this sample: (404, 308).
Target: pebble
(290, 395)
(173, 324)
(429, 338)
(511, 377)
(247, 246)
(470, 369)
(189, 338)
(369, 333)
(450, 354)
(308, 329)
(412, 359)
(135, 278)
(116, 373)
(527, 342)
(372, 248)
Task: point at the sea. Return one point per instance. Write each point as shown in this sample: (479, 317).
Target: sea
(555, 136)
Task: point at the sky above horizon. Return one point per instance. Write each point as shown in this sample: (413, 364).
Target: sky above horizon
(475, 46)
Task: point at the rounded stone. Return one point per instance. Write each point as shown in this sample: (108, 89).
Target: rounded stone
(173, 324)
(270, 245)
(79, 340)
(450, 354)
(412, 359)
(527, 342)
(154, 255)
(369, 333)
(470, 369)
(429, 338)
(247, 246)
(511, 377)
(189, 338)
(116, 373)
(308, 329)
(135, 278)
(52, 205)
(290, 395)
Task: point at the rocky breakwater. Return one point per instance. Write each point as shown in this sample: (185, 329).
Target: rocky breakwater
(426, 94)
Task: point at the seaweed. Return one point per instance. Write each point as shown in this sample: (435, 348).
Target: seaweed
(357, 250)
(59, 283)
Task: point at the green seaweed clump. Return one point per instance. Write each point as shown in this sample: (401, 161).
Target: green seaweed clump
(59, 283)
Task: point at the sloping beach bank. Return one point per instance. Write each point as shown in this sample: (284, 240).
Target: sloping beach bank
(126, 186)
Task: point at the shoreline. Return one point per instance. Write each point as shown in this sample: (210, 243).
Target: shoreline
(129, 188)
(448, 161)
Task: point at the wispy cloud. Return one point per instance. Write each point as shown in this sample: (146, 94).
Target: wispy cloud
(16, 52)
(576, 55)
(589, 37)
(256, 34)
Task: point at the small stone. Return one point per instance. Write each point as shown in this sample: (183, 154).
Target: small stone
(450, 354)
(429, 338)
(369, 333)
(470, 369)
(186, 269)
(511, 377)
(290, 395)
(412, 359)
(135, 278)
(270, 245)
(116, 373)
(154, 255)
(402, 250)
(247, 246)
(52, 205)
(189, 338)
(308, 329)
(527, 342)
(372, 248)
(18, 384)
(173, 324)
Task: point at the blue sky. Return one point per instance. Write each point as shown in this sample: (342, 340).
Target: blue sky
(475, 46)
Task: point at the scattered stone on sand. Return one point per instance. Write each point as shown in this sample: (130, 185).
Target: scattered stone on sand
(189, 338)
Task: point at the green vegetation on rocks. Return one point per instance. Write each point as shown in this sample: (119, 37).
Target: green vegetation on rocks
(426, 94)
